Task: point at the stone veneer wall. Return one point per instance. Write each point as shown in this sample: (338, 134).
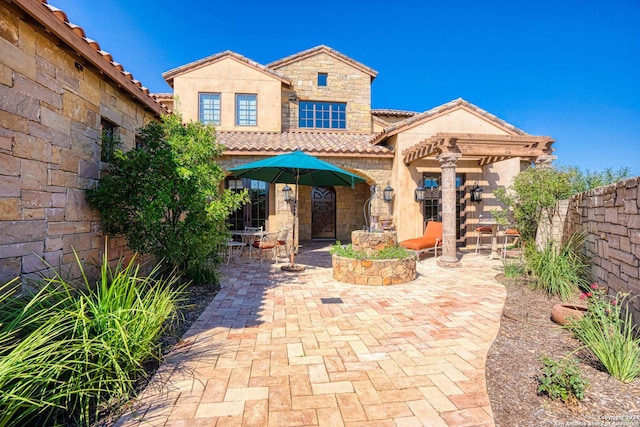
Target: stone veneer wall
(610, 216)
(50, 123)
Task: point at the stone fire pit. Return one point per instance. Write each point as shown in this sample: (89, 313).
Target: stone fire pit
(373, 272)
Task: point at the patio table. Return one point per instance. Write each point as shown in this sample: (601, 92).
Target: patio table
(248, 237)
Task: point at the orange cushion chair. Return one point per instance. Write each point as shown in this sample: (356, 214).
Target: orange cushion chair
(431, 240)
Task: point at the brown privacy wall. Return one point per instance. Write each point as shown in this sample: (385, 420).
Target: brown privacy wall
(51, 110)
(611, 218)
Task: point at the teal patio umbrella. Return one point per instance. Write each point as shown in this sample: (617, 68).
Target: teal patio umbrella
(300, 169)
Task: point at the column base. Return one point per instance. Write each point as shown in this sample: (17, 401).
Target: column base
(448, 262)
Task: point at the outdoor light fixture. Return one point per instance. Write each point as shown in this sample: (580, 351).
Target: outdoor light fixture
(420, 194)
(287, 193)
(476, 193)
(387, 194)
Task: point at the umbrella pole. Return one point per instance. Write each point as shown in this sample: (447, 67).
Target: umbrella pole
(295, 220)
(292, 264)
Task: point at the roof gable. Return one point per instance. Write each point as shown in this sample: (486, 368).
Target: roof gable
(171, 74)
(326, 50)
(457, 104)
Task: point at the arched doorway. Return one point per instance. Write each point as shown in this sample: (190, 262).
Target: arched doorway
(323, 213)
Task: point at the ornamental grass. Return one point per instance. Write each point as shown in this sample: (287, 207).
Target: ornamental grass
(608, 331)
(559, 270)
(70, 349)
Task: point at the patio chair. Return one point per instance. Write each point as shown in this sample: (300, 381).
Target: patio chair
(430, 241)
(251, 235)
(267, 243)
(483, 230)
(512, 245)
(281, 242)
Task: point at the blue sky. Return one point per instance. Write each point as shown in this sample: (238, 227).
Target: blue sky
(567, 69)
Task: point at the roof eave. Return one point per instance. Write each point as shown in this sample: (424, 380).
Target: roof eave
(40, 12)
(168, 76)
(325, 49)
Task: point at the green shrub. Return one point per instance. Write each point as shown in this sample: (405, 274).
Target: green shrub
(532, 198)
(560, 271)
(513, 268)
(165, 197)
(607, 329)
(68, 349)
(347, 251)
(562, 379)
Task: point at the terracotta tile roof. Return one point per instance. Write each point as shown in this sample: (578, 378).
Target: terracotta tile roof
(393, 113)
(57, 22)
(169, 75)
(322, 49)
(429, 114)
(307, 141)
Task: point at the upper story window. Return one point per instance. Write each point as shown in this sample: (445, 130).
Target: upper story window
(322, 79)
(209, 108)
(324, 115)
(246, 110)
(109, 140)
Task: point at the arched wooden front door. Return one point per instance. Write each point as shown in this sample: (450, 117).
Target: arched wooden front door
(323, 213)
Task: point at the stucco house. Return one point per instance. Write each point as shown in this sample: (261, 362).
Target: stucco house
(319, 101)
(58, 92)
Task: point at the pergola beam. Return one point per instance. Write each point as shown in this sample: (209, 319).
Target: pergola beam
(488, 147)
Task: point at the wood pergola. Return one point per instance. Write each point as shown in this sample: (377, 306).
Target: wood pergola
(448, 148)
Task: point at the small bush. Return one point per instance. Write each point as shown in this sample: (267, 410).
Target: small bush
(559, 271)
(562, 379)
(69, 349)
(513, 269)
(607, 329)
(392, 252)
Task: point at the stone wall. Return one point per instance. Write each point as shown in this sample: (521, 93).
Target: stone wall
(51, 108)
(345, 83)
(374, 272)
(610, 216)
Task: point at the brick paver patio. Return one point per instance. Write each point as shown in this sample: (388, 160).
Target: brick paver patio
(278, 349)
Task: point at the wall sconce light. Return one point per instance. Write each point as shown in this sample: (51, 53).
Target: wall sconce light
(287, 193)
(476, 193)
(420, 195)
(387, 194)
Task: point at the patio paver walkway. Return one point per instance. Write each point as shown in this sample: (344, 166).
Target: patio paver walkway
(269, 352)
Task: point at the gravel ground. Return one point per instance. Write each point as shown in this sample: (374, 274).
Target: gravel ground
(513, 366)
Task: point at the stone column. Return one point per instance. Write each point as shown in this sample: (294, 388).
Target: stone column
(544, 160)
(448, 170)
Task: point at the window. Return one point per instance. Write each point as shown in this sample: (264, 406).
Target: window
(322, 79)
(109, 140)
(246, 110)
(323, 115)
(254, 213)
(209, 108)
(433, 204)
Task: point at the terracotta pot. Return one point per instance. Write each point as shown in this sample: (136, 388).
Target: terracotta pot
(562, 314)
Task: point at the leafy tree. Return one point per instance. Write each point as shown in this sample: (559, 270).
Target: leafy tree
(164, 196)
(586, 180)
(536, 191)
(533, 195)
